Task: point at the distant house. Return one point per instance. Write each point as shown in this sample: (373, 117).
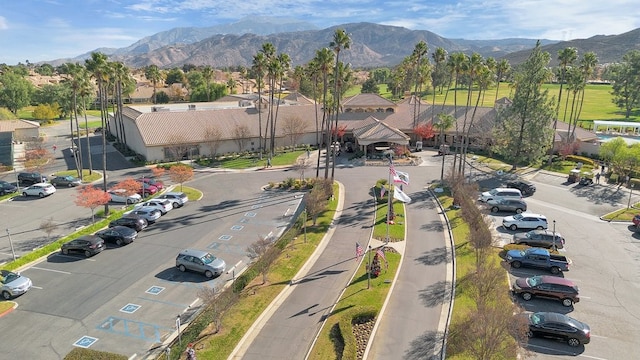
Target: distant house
(12, 132)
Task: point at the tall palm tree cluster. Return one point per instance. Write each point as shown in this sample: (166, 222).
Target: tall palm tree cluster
(330, 78)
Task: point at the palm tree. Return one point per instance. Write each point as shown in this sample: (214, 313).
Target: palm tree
(97, 65)
(456, 65)
(86, 91)
(340, 41)
(473, 66)
(566, 57)
(444, 123)
(312, 71)
(259, 68)
(271, 68)
(502, 68)
(324, 59)
(587, 65)
(283, 64)
(153, 74)
(418, 54)
(74, 79)
(439, 57)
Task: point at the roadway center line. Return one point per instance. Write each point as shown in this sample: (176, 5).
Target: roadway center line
(52, 270)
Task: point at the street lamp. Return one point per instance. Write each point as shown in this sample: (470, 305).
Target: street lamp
(630, 193)
(13, 252)
(554, 235)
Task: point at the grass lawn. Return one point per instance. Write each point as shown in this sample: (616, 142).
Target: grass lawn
(245, 162)
(396, 230)
(465, 265)
(86, 177)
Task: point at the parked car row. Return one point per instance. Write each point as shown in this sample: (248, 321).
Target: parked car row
(541, 242)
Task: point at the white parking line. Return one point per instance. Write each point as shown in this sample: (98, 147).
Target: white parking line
(52, 270)
(36, 287)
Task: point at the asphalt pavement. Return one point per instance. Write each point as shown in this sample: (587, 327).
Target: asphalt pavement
(414, 317)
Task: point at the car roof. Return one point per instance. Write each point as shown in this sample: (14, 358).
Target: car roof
(91, 238)
(193, 252)
(121, 228)
(533, 214)
(546, 232)
(548, 279)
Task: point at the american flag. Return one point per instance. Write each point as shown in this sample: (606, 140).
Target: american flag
(359, 251)
(380, 253)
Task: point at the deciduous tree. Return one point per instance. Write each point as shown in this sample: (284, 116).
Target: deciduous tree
(15, 91)
(91, 197)
(130, 186)
(294, 127)
(264, 254)
(241, 134)
(212, 139)
(180, 173)
(424, 131)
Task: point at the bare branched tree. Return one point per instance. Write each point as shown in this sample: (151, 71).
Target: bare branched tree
(177, 147)
(212, 138)
(264, 254)
(293, 128)
(241, 134)
(219, 301)
(48, 226)
(301, 165)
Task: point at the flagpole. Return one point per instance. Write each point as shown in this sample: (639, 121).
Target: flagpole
(369, 270)
(389, 196)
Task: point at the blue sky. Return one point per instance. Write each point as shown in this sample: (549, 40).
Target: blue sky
(39, 30)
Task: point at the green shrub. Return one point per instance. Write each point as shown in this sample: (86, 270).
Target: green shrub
(84, 354)
(582, 159)
(356, 316)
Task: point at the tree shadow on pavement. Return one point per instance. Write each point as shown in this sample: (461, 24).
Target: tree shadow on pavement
(423, 347)
(435, 294)
(435, 256)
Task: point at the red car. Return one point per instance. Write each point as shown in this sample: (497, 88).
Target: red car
(154, 182)
(636, 220)
(147, 190)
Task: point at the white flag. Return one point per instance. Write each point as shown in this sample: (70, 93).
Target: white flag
(400, 195)
(382, 192)
(401, 177)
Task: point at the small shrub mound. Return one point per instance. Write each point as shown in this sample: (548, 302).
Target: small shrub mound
(354, 330)
(86, 354)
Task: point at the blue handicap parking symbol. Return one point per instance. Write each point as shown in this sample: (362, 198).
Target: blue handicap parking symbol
(154, 290)
(130, 308)
(85, 341)
(237, 227)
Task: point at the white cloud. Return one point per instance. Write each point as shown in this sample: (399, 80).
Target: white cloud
(3, 23)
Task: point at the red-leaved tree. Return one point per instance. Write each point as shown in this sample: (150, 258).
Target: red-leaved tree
(130, 186)
(424, 131)
(91, 197)
(339, 131)
(568, 148)
(180, 173)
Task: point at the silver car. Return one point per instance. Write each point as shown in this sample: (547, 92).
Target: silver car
(121, 196)
(200, 261)
(178, 199)
(149, 213)
(13, 284)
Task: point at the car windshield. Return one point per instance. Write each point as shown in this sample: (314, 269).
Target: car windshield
(208, 259)
(536, 318)
(493, 192)
(8, 277)
(533, 281)
(529, 234)
(517, 217)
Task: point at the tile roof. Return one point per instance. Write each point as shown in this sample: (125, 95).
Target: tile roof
(375, 131)
(12, 125)
(368, 100)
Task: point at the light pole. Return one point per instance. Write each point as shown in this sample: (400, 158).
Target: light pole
(369, 270)
(13, 252)
(630, 193)
(554, 235)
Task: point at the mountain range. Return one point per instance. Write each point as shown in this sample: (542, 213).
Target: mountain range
(372, 45)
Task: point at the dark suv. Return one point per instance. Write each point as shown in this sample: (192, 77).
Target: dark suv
(7, 188)
(525, 187)
(133, 221)
(30, 178)
(550, 287)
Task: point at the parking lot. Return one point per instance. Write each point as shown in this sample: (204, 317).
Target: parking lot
(605, 267)
(130, 298)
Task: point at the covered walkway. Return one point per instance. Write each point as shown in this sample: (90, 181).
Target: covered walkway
(619, 126)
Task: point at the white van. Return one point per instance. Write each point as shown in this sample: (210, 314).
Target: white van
(500, 193)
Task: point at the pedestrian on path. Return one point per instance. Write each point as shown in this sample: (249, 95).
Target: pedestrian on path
(269, 162)
(54, 148)
(598, 178)
(191, 353)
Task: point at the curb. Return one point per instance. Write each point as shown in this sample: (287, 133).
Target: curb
(242, 346)
(15, 305)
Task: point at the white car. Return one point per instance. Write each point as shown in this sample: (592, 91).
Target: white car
(163, 205)
(120, 196)
(149, 213)
(178, 199)
(525, 220)
(39, 189)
